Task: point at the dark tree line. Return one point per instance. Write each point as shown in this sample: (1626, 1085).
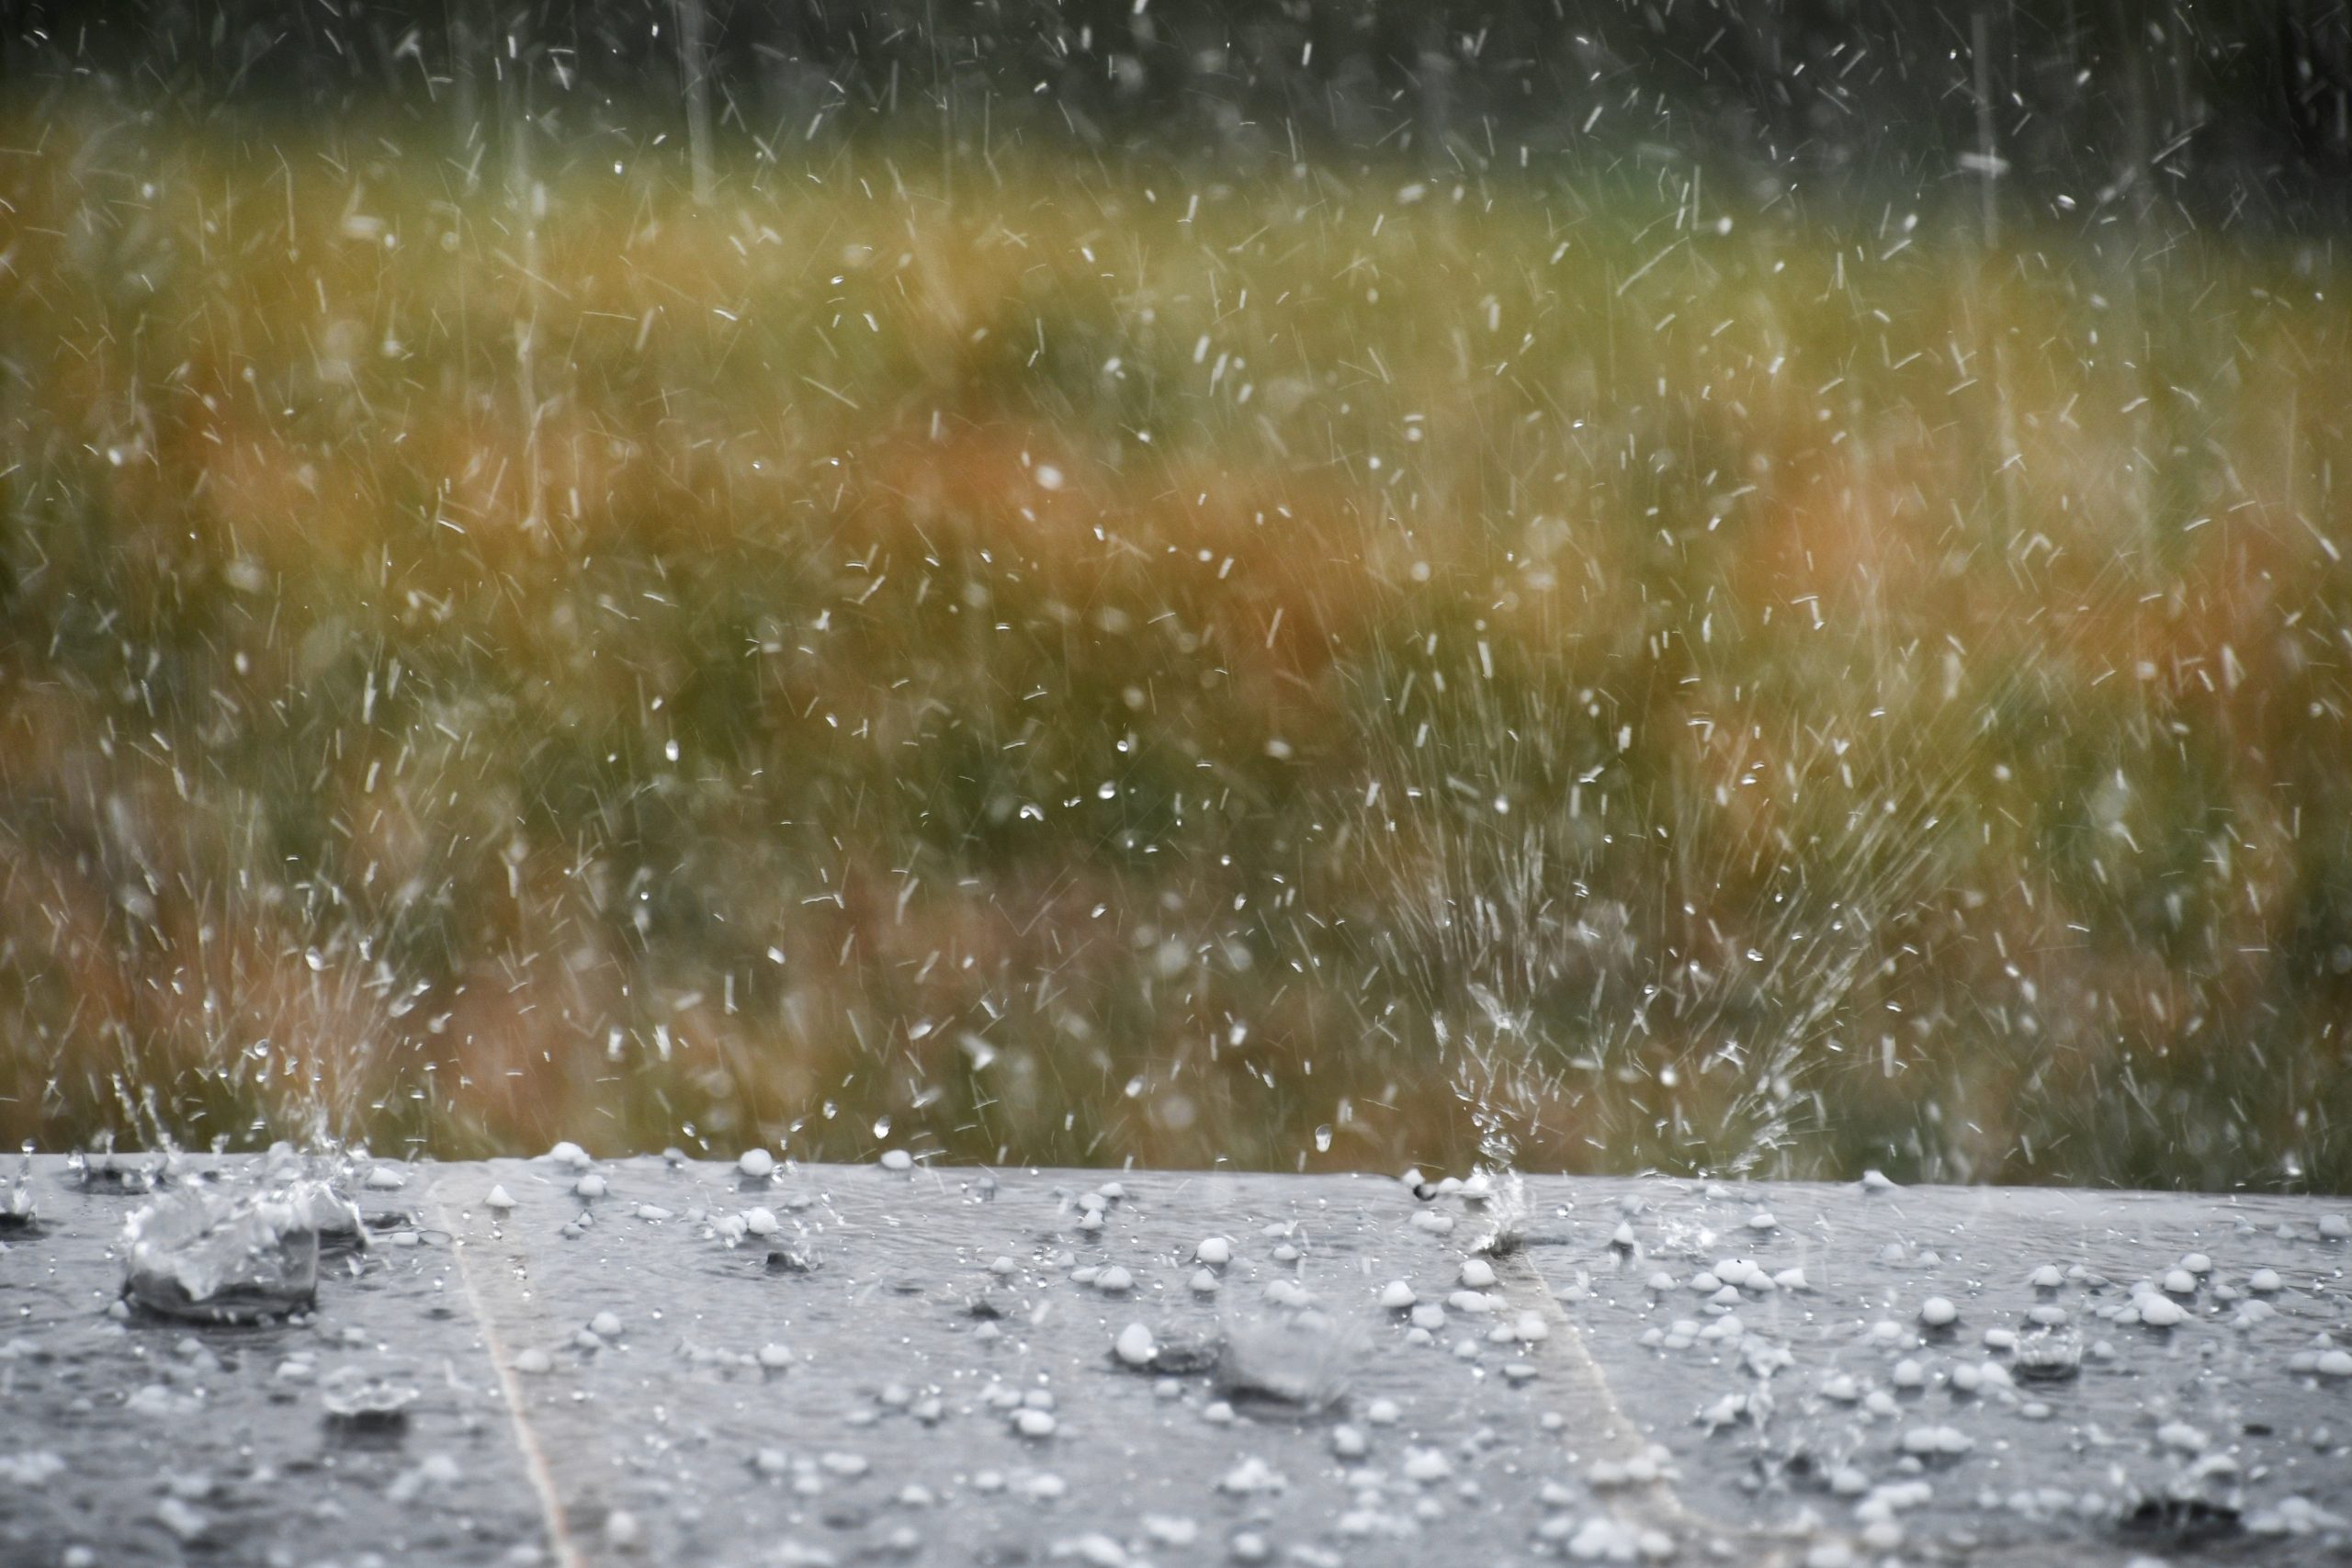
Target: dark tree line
(2226, 108)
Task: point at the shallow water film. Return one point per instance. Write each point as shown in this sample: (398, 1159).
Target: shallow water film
(1724, 589)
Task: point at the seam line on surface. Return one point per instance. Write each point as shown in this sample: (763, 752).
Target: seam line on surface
(535, 1462)
(1659, 1504)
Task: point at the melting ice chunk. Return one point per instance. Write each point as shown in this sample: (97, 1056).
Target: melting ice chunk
(226, 1256)
(356, 1397)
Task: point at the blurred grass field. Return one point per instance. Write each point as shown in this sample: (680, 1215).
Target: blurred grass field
(1042, 662)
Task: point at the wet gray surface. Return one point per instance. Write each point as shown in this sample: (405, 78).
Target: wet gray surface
(127, 1438)
(852, 1385)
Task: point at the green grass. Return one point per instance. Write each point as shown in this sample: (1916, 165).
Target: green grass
(1574, 672)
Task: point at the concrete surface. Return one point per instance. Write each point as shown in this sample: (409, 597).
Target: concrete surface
(853, 1386)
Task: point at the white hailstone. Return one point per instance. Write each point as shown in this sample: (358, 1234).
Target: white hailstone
(898, 1159)
(500, 1198)
(774, 1357)
(1598, 1539)
(2333, 1364)
(1930, 1441)
(1936, 1311)
(760, 1221)
(1217, 1413)
(1045, 1488)
(1251, 1547)
(2197, 1263)
(1907, 1374)
(386, 1178)
(1623, 1237)
(1171, 1529)
(1762, 1220)
(1001, 1265)
(1706, 1282)
(1477, 1274)
(2160, 1312)
(654, 1212)
(1791, 1279)
(1841, 1387)
(1112, 1192)
(1114, 1280)
(1289, 1293)
(1429, 1315)
(2266, 1281)
(2334, 1227)
(1476, 1303)
(1033, 1423)
(2182, 1436)
(1348, 1442)
(1215, 1251)
(757, 1164)
(590, 1186)
(1251, 1476)
(1135, 1346)
(1383, 1413)
(1876, 1181)
(622, 1532)
(604, 1326)
(534, 1361)
(1203, 1282)
(1397, 1295)
(1530, 1326)
(2046, 1278)
(1427, 1465)
(2179, 1282)
(571, 1153)
(2000, 1339)
(1661, 1281)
